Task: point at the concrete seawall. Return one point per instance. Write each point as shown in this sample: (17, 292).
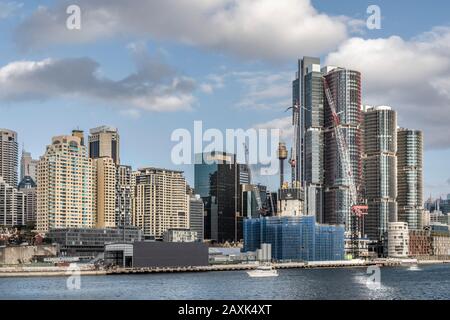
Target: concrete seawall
(86, 271)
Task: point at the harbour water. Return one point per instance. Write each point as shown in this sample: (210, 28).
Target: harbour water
(425, 282)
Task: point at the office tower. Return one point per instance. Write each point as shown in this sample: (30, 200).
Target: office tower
(27, 166)
(29, 188)
(410, 177)
(380, 170)
(196, 216)
(161, 202)
(248, 205)
(106, 192)
(217, 183)
(8, 156)
(345, 87)
(104, 141)
(123, 195)
(66, 186)
(12, 205)
(308, 95)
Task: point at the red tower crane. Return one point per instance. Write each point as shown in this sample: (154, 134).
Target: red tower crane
(358, 210)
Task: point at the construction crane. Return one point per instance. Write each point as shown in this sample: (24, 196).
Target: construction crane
(293, 160)
(358, 210)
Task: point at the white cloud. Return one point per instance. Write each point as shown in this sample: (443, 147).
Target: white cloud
(254, 29)
(264, 90)
(284, 124)
(413, 76)
(153, 87)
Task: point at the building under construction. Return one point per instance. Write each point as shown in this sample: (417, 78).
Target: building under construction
(345, 91)
(380, 170)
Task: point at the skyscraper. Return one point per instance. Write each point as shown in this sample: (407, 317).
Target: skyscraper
(9, 156)
(160, 201)
(12, 205)
(410, 177)
(29, 188)
(217, 183)
(106, 192)
(380, 170)
(66, 186)
(124, 195)
(307, 97)
(104, 141)
(345, 87)
(27, 166)
(196, 216)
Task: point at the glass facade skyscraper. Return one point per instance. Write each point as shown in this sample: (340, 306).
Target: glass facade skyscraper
(345, 87)
(380, 170)
(217, 182)
(295, 238)
(410, 177)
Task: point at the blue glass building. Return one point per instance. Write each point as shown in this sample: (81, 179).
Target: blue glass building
(295, 238)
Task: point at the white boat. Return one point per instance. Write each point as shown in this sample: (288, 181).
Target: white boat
(263, 271)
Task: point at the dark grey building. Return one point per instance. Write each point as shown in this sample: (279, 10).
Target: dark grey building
(91, 242)
(217, 182)
(169, 254)
(29, 189)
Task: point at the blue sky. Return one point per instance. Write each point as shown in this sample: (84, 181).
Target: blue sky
(149, 67)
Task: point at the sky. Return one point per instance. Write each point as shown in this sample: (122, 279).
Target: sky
(151, 67)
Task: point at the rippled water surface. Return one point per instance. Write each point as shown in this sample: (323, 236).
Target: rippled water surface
(428, 282)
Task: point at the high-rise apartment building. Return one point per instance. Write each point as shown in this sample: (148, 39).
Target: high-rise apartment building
(380, 170)
(104, 141)
(160, 201)
(66, 186)
(29, 188)
(28, 166)
(196, 216)
(12, 205)
(345, 87)
(124, 195)
(217, 183)
(106, 192)
(410, 177)
(9, 157)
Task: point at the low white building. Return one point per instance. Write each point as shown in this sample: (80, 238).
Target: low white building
(398, 240)
(180, 235)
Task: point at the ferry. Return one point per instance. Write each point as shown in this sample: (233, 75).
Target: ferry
(263, 271)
